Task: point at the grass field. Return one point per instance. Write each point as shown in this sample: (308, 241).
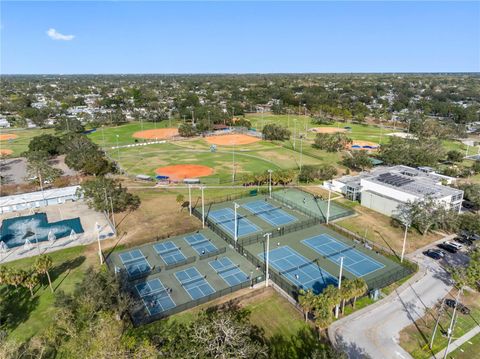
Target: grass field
(467, 350)
(28, 316)
(20, 144)
(415, 338)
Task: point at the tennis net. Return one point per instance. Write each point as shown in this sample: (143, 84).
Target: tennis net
(159, 291)
(200, 243)
(271, 209)
(229, 268)
(191, 281)
(340, 251)
(297, 267)
(168, 251)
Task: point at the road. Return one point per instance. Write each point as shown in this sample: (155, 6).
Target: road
(374, 331)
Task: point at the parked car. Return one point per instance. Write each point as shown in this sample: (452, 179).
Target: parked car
(434, 253)
(475, 237)
(463, 240)
(456, 245)
(448, 247)
(460, 307)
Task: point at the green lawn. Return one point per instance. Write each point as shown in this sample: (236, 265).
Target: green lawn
(467, 350)
(29, 316)
(107, 136)
(414, 338)
(20, 144)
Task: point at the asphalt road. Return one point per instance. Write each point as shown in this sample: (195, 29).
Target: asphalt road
(374, 331)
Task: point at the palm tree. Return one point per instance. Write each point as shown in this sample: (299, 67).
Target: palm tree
(42, 266)
(333, 294)
(16, 277)
(322, 312)
(31, 281)
(306, 299)
(4, 274)
(347, 292)
(360, 289)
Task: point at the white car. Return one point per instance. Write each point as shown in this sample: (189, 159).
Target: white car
(454, 244)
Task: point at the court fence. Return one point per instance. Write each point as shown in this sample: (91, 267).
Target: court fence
(213, 254)
(346, 211)
(140, 315)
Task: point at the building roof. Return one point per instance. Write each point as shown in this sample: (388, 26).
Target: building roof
(37, 196)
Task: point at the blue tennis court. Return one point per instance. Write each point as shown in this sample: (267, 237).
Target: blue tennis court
(135, 262)
(299, 270)
(169, 252)
(354, 261)
(200, 243)
(225, 218)
(269, 213)
(155, 296)
(194, 283)
(228, 271)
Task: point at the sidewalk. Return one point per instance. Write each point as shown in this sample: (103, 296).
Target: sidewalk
(454, 345)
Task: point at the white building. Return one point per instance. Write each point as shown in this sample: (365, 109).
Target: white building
(39, 199)
(385, 188)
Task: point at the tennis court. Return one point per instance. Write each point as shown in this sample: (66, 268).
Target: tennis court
(354, 261)
(225, 218)
(155, 296)
(228, 271)
(169, 252)
(135, 262)
(200, 243)
(194, 283)
(299, 270)
(269, 213)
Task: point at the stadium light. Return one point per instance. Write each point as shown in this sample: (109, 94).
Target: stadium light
(270, 183)
(404, 242)
(235, 207)
(301, 150)
(118, 149)
(203, 207)
(190, 199)
(452, 323)
(337, 306)
(233, 160)
(328, 203)
(267, 257)
(97, 229)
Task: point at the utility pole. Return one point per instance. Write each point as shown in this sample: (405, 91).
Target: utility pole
(267, 257)
(339, 285)
(203, 207)
(436, 323)
(452, 323)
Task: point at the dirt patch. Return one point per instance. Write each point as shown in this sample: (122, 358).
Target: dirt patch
(179, 172)
(160, 134)
(7, 136)
(230, 140)
(5, 152)
(363, 145)
(328, 129)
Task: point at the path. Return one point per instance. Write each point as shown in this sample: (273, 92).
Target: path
(457, 343)
(374, 331)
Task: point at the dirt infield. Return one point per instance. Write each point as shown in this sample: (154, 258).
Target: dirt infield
(364, 145)
(179, 172)
(327, 129)
(7, 136)
(5, 152)
(159, 133)
(229, 140)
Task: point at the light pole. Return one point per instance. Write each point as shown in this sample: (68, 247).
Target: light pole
(294, 132)
(436, 323)
(339, 285)
(203, 207)
(235, 224)
(270, 183)
(267, 257)
(190, 199)
(97, 229)
(328, 203)
(301, 151)
(452, 323)
(118, 149)
(233, 161)
(404, 242)
(103, 137)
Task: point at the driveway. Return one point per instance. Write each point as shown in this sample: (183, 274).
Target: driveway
(374, 331)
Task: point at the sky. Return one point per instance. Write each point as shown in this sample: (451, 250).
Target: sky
(238, 37)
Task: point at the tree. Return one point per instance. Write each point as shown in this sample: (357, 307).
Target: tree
(412, 152)
(274, 132)
(49, 144)
(471, 192)
(469, 222)
(103, 193)
(42, 265)
(39, 168)
(180, 199)
(16, 277)
(311, 173)
(347, 292)
(455, 156)
(68, 124)
(31, 280)
(187, 130)
(359, 289)
(357, 161)
(306, 299)
(331, 142)
(323, 313)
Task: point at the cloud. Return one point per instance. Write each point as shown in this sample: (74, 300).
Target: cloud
(55, 35)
